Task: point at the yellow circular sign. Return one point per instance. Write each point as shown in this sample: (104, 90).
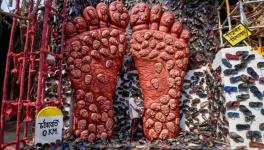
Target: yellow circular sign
(49, 111)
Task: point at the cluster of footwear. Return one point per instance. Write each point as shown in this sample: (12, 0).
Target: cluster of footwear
(201, 107)
(243, 85)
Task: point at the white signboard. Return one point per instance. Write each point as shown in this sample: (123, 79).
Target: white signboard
(48, 127)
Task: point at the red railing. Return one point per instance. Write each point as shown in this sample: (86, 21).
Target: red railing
(27, 65)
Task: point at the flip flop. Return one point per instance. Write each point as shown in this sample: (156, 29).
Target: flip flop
(253, 73)
(260, 65)
(242, 53)
(256, 92)
(253, 135)
(228, 72)
(232, 56)
(230, 88)
(255, 104)
(245, 110)
(226, 63)
(232, 104)
(249, 118)
(240, 66)
(262, 111)
(237, 138)
(242, 97)
(233, 115)
(247, 79)
(261, 126)
(243, 87)
(241, 127)
(261, 80)
(235, 79)
(247, 58)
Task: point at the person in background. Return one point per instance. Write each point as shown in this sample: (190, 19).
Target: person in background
(135, 113)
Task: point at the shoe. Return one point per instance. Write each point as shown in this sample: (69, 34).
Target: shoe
(256, 92)
(247, 58)
(242, 97)
(241, 127)
(253, 135)
(228, 72)
(237, 138)
(240, 66)
(243, 87)
(245, 110)
(232, 56)
(226, 63)
(254, 144)
(262, 111)
(235, 79)
(230, 88)
(233, 115)
(261, 80)
(253, 73)
(261, 127)
(232, 104)
(242, 53)
(255, 104)
(247, 79)
(260, 65)
(249, 118)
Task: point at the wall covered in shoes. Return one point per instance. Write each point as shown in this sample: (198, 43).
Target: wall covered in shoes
(242, 77)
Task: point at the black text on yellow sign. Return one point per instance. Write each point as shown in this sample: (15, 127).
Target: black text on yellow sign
(237, 34)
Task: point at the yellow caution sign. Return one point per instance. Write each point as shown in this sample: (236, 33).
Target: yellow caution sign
(237, 34)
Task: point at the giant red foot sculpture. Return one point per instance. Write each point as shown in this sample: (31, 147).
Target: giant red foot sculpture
(161, 56)
(94, 52)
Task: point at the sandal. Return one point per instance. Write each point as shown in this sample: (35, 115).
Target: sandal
(242, 53)
(260, 65)
(226, 63)
(232, 104)
(242, 97)
(256, 92)
(253, 73)
(228, 72)
(230, 88)
(255, 104)
(232, 56)
(237, 138)
(241, 127)
(253, 135)
(240, 66)
(247, 58)
(249, 118)
(245, 110)
(247, 79)
(235, 79)
(243, 87)
(233, 115)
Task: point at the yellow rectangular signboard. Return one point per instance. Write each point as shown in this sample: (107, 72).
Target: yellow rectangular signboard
(237, 34)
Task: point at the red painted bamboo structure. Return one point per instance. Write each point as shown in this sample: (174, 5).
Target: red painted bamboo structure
(24, 69)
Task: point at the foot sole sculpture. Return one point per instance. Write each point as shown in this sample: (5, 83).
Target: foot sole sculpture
(159, 49)
(94, 52)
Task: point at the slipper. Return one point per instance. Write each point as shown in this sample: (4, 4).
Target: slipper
(226, 63)
(240, 66)
(230, 88)
(261, 127)
(228, 72)
(256, 92)
(245, 110)
(242, 97)
(249, 118)
(253, 73)
(235, 79)
(232, 56)
(241, 127)
(247, 79)
(243, 87)
(262, 111)
(247, 58)
(233, 115)
(232, 104)
(242, 53)
(253, 135)
(261, 80)
(260, 65)
(237, 138)
(255, 104)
